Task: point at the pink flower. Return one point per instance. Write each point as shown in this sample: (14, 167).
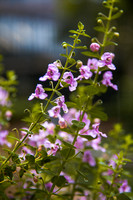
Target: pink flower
(69, 79)
(95, 144)
(62, 122)
(107, 76)
(124, 187)
(94, 132)
(92, 63)
(52, 73)
(106, 60)
(3, 139)
(85, 72)
(54, 112)
(39, 93)
(94, 47)
(61, 102)
(89, 158)
(3, 97)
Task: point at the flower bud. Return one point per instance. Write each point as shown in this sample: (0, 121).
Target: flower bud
(94, 47)
(79, 64)
(35, 179)
(8, 114)
(116, 34)
(99, 21)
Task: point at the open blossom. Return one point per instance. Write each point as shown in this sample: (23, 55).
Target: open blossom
(52, 73)
(54, 112)
(39, 93)
(69, 79)
(61, 102)
(3, 139)
(92, 63)
(94, 47)
(3, 97)
(124, 187)
(89, 158)
(94, 132)
(85, 72)
(106, 60)
(62, 122)
(107, 77)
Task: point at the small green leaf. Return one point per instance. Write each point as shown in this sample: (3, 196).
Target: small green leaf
(88, 137)
(14, 138)
(99, 29)
(66, 143)
(78, 124)
(64, 153)
(117, 15)
(80, 26)
(15, 158)
(30, 158)
(91, 54)
(59, 181)
(1, 176)
(124, 196)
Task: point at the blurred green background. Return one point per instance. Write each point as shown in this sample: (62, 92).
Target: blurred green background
(31, 33)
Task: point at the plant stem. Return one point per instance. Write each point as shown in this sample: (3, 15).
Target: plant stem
(45, 109)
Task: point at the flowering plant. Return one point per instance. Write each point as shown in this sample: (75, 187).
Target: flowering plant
(63, 154)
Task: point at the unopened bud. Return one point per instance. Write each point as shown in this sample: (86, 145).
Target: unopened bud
(116, 34)
(99, 21)
(79, 64)
(35, 179)
(94, 47)
(64, 44)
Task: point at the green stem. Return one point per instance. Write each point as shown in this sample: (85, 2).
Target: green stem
(45, 109)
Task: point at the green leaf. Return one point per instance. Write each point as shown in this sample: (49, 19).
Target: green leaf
(59, 181)
(58, 93)
(71, 61)
(97, 112)
(64, 153)
(71, 104)
(108, 43)
(63, 55)
(14, 138)
(48, 89)
(8, 172)
(73, 31)
(21, 172)
(99, 29)
(80, 26)
(15, 158)
(81, 47)
(91, 54)
(78, 124)
(117, 15)
(30, 158)
(66, 143)
(124, 196)
(88, 137)
(1, 176)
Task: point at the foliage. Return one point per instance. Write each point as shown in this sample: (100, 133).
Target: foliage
(63, 154)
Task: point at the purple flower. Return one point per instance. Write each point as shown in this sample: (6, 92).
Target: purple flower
(3, 97)
(85, 72)
(124, 187)
(107, 77)
(89, 158)
(92, 63)
(52, 73)
(94, 47)
(62, 122)
(61, 102)
(3, 140)
(54, 112)
(39, 93)
(94, 132)
(69, 79)
(106, 60)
